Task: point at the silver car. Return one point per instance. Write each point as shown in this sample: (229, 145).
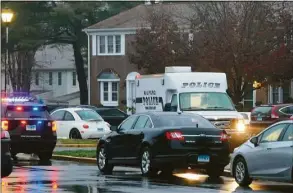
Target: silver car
(268, 156)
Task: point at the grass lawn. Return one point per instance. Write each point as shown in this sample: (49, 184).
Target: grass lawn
(77, 141)
(78, 153)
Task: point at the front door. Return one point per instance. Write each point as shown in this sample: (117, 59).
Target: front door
(136, 136)
(261, 160)
(119, 139)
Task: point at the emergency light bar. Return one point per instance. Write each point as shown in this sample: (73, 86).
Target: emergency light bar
(19, 97)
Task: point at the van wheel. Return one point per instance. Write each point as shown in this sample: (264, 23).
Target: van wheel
(102, 161)
(146, 165)
(74, 134)
(240, 173)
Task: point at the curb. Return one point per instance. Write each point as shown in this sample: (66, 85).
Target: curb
(76, 145)
(76, 159)
(93, 161)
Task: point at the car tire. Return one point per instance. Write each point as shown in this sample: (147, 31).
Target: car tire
(240, 172)
(146, 164)
(74, 134)
(102, 161)
(45, 156)
(7, 170)
(215, 172)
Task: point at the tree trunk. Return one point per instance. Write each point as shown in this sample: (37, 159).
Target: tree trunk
(79, 65)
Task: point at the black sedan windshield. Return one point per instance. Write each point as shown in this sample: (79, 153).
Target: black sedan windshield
(182, 121)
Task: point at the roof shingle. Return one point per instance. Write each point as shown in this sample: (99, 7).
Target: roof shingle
(137, 16)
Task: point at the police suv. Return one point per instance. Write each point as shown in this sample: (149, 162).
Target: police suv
(29, 124)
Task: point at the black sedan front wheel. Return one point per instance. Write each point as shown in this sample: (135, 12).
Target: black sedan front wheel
(102, 161)
(146, 165)
(6, 166)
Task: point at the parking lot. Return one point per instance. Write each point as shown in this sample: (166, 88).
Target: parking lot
(30, 176)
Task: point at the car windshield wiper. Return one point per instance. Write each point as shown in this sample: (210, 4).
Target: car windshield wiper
(221, 108)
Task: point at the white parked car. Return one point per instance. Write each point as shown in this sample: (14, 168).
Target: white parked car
(79, 123)
(268, 156)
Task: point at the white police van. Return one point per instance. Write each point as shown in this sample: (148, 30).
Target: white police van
(180, 89)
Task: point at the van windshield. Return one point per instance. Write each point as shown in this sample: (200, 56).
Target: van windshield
(205, 101)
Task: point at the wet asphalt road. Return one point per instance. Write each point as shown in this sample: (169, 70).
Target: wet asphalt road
(71, 177)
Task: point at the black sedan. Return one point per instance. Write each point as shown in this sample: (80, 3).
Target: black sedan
(6, 162)
(164, 141)
(113, 116)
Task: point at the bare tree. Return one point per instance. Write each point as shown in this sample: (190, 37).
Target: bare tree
(240, 39)
(20, 70)
(162, 43)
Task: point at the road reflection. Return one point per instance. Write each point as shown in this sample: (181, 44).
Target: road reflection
(37, 177)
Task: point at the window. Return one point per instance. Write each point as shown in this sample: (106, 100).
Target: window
(114, 91)
(106, 91)
(27, 113)
(109, 87)
(74, 78)
(68, 116)
(50, 78)
(289, 134)
(110, 45)
(273, 134)
(37, 78)
(174, 103)
(59, 78)
(128, 123)
(141, 122)
(208, 101)
(148, 124)
(102, 44)
(89, 115)
(287, 110)
(109, 93)
(58, 115)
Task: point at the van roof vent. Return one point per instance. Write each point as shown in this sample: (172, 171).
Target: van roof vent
(176, 69)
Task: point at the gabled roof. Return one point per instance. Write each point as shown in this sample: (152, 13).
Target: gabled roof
(136, 17)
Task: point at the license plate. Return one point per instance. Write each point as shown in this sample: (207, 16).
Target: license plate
(203, 158)
(31, 128)
(100, 129)
(259, 119)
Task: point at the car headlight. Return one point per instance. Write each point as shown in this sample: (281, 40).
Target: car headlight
(240, 126)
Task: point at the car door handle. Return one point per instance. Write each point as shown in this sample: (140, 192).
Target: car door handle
(269, 148)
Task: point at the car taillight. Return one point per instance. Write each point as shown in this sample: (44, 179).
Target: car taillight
(224, 136)
(54, 126)
(4, 125)
(5, 134)
(274, 114)
(85, 126)
(174, 135)
(23, 122)
(291, 118)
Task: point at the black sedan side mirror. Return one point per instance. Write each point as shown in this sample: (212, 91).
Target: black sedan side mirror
(113, 128)
(254, 141)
